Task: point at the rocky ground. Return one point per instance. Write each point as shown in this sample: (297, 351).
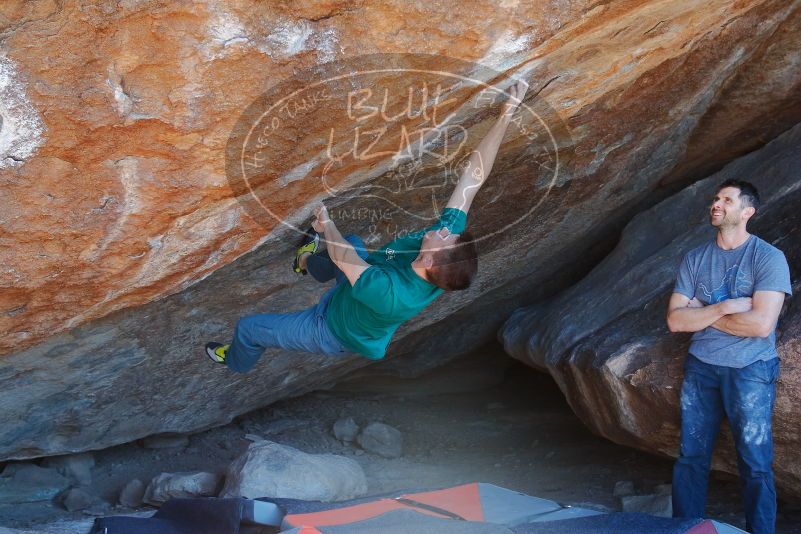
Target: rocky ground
(516, 431)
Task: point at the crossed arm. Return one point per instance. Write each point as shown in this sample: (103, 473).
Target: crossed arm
(742, 317)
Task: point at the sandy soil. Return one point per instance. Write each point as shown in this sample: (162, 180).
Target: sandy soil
(516, 431)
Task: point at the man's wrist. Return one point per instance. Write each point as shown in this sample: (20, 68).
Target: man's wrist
(330, 231)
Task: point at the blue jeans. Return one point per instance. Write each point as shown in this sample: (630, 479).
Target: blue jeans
(305, 330)
(746, 397)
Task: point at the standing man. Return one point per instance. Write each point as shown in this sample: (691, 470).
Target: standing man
(729, 292)
(374, 293)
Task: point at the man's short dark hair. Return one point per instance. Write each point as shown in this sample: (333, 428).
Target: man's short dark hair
(748, 192)
(455, 266)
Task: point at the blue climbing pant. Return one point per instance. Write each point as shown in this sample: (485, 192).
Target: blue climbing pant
(746, 397)
(305, 330)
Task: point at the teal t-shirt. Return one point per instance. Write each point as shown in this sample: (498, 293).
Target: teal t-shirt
(365, 316)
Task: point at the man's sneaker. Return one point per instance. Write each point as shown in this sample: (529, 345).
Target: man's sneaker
(217, 351)
(308, 243)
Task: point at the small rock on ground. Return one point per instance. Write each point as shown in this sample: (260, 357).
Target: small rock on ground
(78, 499)
(132, 494)
(381, 439)
(658, 505)
(346, 429)
(169, 485)
(269, 469)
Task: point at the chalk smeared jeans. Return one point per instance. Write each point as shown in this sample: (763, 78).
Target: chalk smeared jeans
(746, 397)
(305, 330)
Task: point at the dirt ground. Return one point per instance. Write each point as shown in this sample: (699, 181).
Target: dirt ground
(496, 422)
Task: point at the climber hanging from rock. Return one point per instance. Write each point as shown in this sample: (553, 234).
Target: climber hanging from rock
(374, 293)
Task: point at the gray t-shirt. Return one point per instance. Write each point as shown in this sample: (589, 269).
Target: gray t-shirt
(712, 275)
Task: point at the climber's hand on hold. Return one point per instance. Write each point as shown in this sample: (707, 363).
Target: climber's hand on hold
(516, 93)
(321, 219)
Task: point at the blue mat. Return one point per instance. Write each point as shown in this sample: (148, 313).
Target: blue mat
(615, 523)
(181, 516)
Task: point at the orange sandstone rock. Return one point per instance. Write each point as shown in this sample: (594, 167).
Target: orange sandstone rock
(123, 246)
(119, 195)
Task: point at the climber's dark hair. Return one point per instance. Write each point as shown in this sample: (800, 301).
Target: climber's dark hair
(455, 266)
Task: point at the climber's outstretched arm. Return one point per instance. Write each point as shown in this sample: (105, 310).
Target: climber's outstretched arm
(483, 157)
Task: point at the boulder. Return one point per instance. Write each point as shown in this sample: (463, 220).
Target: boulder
(127, 242)
(605, 340)
(269, 469)
(656, 504)
(25, 483)
(167, 486)
(132, 495)
(78, 499)
(346, 429)
(382, 440)
(76, 467)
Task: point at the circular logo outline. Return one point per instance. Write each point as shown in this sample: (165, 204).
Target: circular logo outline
(484, 86)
